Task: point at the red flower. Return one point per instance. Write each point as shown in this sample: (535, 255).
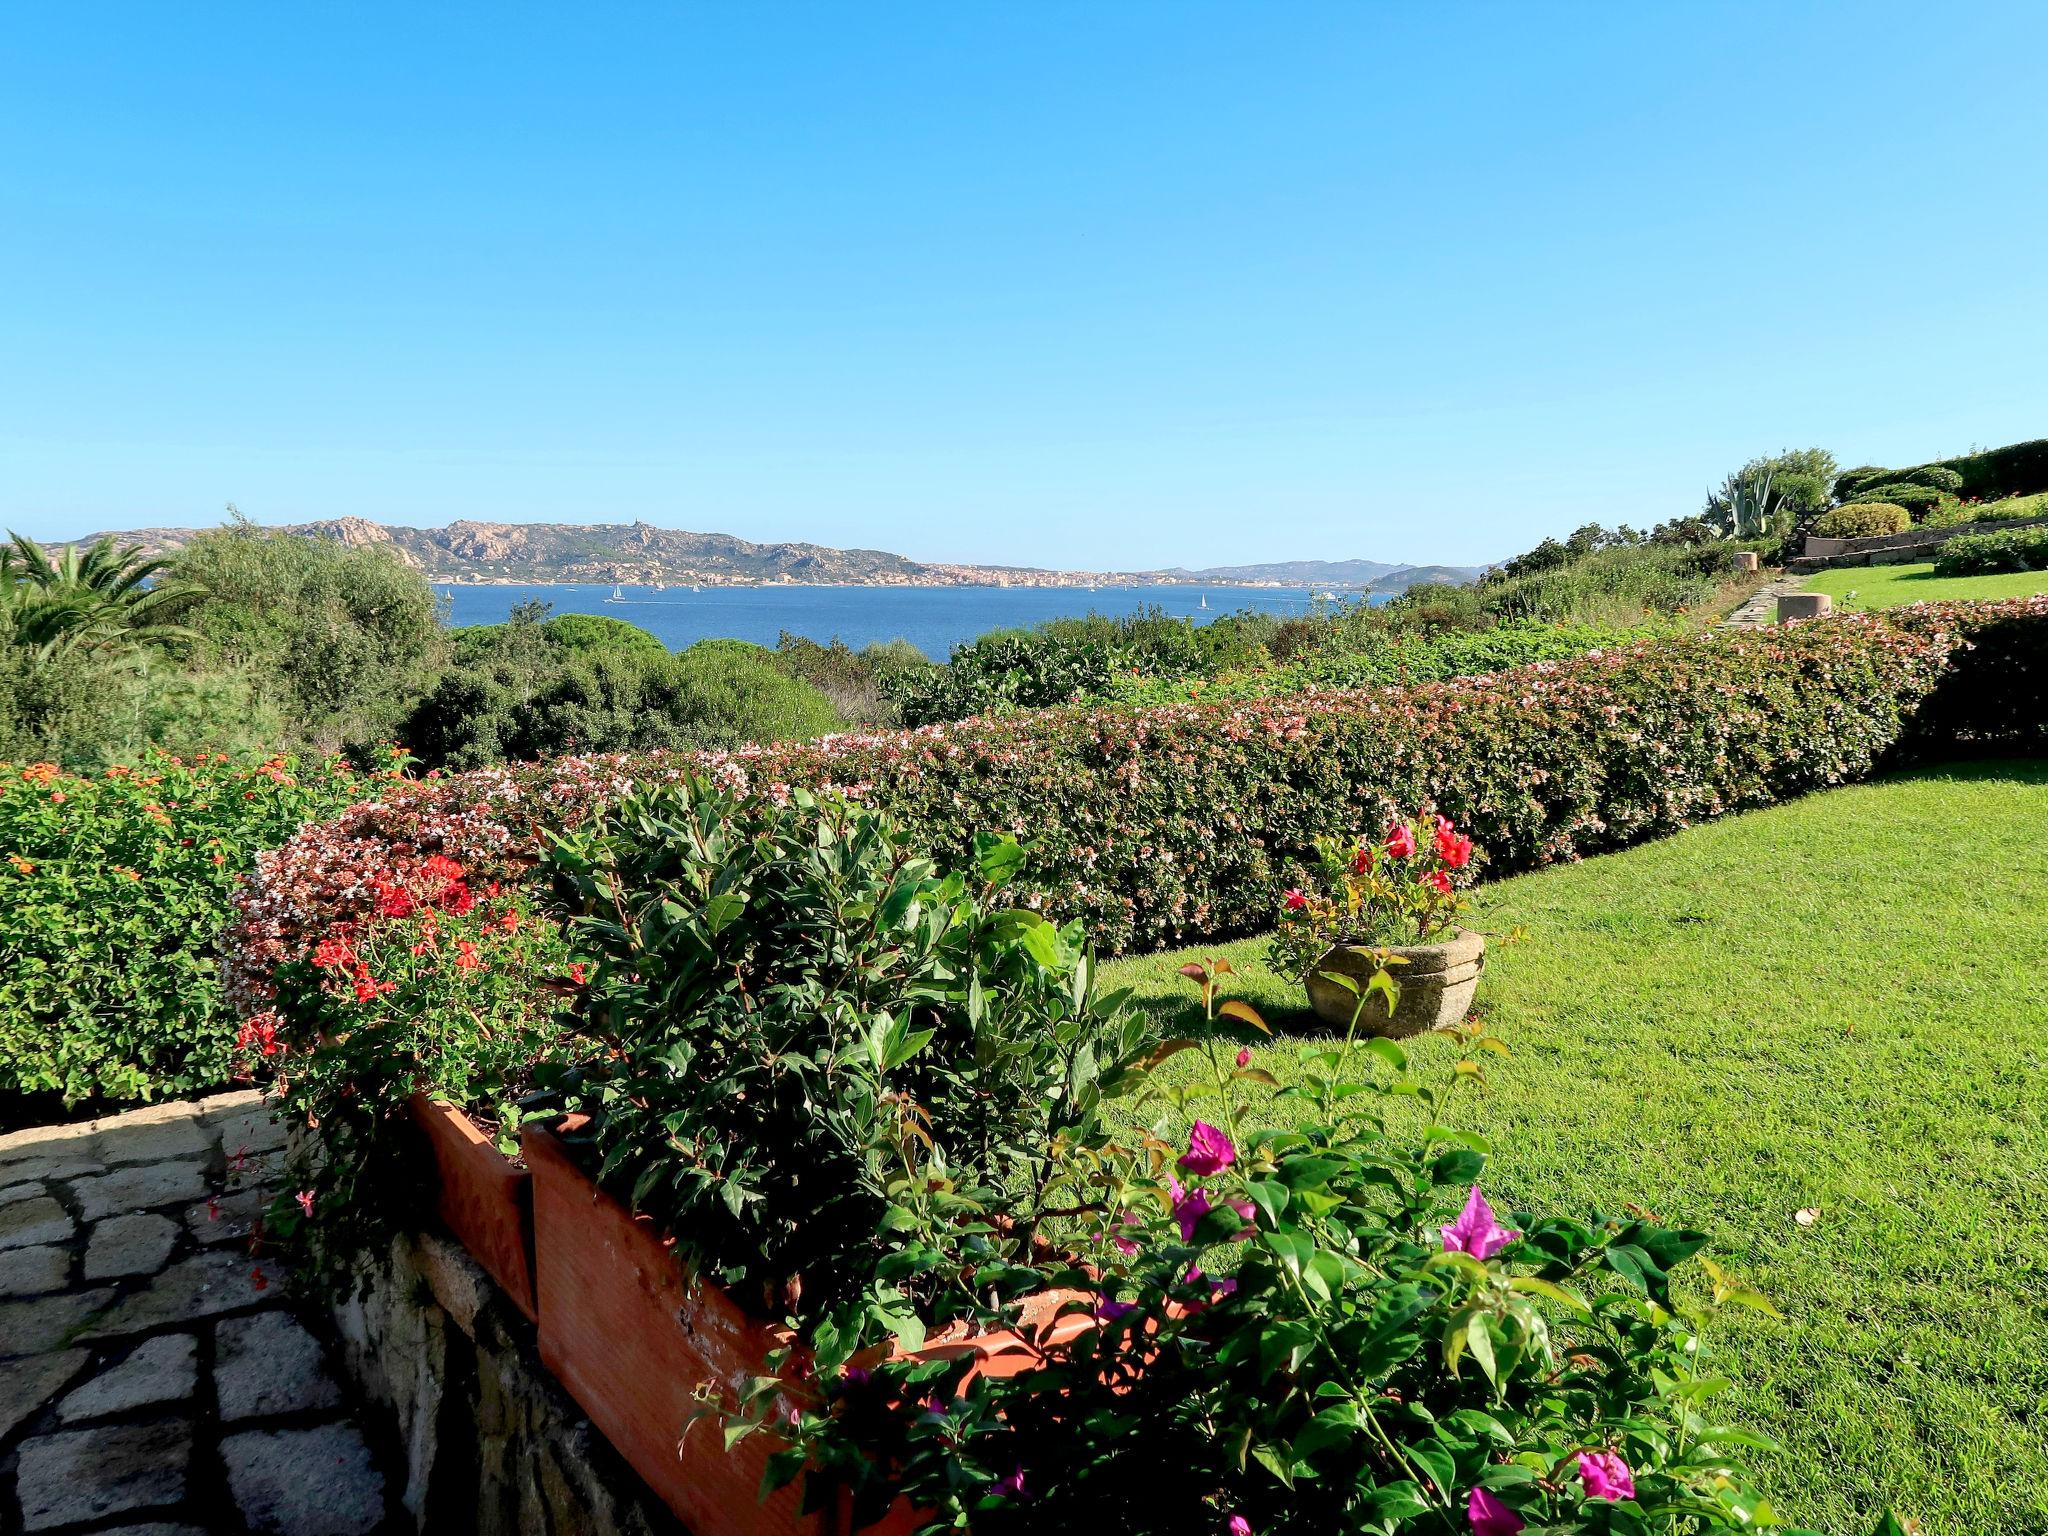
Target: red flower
(456, 897)
(579, 973)
(1400, 841)
(1439, 881)
(333, 954)
(441, 867)
(466, 958)
(510, 921)
(1361, 861)
(1454, 850)
(1295, 901)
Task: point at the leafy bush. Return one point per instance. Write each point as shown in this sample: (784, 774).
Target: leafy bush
(113, 893)
(863, 1057)
(1158, 824)
(582, 633)
(1314, 1336)
(340, 638)
(514, 702)
(2019, 469)
(1985, 554)
(1918, 500)
(857, 682)
(1938, 477)
(1863, 520)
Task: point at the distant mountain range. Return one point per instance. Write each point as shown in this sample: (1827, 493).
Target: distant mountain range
(639, 554)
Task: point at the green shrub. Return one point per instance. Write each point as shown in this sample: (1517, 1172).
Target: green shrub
(1862, 520)
(857, 682)
(1850, 483)
(1937, 477)
(1987, 554)
(582, 633)
(2019, 469)
(341, 638)
(113, 893)
(1918, 500)
(1171, 823)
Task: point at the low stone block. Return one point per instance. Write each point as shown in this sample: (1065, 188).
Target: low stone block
(1746, 561)
(305, 1482)
(139, 1189)
(267, 1365)
(33, 1271)
(43, 1141)
(32, 1222)
(89, 1474)
(164, 1369)
(153, 1141)
(136, 1244)
(1803, 605)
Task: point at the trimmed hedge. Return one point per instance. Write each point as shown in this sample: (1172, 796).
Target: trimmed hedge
(1863, 520)
(1166, 824)
(2018, 469)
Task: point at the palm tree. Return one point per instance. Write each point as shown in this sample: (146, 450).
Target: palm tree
(102, 599)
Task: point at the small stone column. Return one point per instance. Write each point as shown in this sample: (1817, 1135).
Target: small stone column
(1745, 562)
(1803, 605)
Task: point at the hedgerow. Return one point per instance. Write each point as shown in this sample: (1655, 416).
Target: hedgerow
(113, 892)
(1176, 822)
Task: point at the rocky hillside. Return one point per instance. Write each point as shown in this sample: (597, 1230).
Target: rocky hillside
(641, 554)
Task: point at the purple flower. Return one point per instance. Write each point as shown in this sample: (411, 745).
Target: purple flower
(1606, 1475)
(1114, 1311)
(1010, 1487)
(1209, 1150)
(855, 1376)
(1189, 1207)
(1489, 1516)
(1476, 1231)
(1239, 1526)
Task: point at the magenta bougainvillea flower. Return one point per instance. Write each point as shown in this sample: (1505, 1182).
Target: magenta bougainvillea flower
(1239, 1526)
(1476, 1231)
(1606, 1475)
(1244, 1056)
(1489, 1516)
(1209, 1150)
(1189, 1207)
(1112, 1311)
(1009, 1487)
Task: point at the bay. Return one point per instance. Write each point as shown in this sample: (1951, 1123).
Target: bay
(934, 619)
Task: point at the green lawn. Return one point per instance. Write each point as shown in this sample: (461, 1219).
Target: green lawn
(1858, 588)
(1840, 1004)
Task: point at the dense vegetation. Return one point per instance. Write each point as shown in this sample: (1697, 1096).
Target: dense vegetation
(1681, 1040)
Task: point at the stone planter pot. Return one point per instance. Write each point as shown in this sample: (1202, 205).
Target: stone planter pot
(1437, 984)
(482, 1197)
(632, 1336)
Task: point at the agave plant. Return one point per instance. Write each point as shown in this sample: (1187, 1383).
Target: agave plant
(1742, 508)
(99, 598)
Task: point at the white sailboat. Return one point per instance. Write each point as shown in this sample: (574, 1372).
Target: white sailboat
(1204, 603)
(618, 594)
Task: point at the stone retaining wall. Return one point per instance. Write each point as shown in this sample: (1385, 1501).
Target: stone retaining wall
(491, 1443)
(1908, 548)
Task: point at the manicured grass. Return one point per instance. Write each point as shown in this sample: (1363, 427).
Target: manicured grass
(1838, 1004)
(1860, 588)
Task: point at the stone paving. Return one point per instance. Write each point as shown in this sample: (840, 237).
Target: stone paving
(1760, 611)
(155, 1379)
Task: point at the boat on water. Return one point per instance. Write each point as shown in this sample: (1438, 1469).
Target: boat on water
(1204, 603)
(618, 594)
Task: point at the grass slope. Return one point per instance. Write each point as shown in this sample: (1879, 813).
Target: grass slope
(1839, 1004)
(1860, 588)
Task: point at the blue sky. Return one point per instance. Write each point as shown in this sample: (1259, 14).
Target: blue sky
(1105, 285)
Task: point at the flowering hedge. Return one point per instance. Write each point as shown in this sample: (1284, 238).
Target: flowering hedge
(113, 892)
(1541, 763)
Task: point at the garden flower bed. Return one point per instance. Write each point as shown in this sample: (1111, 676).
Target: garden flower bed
(853, 1092)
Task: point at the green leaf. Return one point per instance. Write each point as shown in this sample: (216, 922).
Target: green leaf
(1292, 1249)
(998, 859)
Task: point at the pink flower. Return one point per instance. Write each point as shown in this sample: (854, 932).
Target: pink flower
(1489, 1516)
(1606, 1475)
(1008, 1487)
(1400, 841)
(1189, 1207)
(1209, 1150)
(1476, 1231)
(1239, 1526)
(1244, 1056)
(1114, 1311)
(305, 1199)
(1294, 901)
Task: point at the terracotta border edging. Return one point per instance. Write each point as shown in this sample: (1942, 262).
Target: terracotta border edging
(481, 1197)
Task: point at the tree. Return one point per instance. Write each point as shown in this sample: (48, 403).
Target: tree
(101, 599)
